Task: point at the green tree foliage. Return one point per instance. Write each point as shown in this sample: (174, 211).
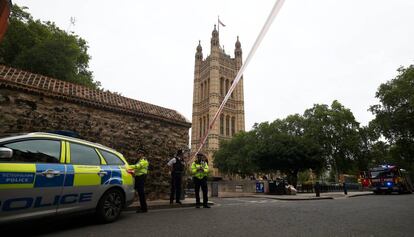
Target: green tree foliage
(282, 146)
(41, 47)
(367, 143)
(395, 116)
(335, 129)
(324, 137)
(278, 146)
(235, 155)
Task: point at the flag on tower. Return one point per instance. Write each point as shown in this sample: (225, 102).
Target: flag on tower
(221, 23)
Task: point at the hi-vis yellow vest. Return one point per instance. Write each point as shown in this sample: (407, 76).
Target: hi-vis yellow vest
(196, 172)
(141, 167)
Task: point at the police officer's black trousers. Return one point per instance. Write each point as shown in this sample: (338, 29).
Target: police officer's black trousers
(139, 187)
(175, 187)
(203, 184)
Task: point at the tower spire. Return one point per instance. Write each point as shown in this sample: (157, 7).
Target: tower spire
(237, 50)
(199, 51)
(215, 38)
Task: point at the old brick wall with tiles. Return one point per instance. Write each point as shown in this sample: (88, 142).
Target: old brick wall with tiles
(30, 102)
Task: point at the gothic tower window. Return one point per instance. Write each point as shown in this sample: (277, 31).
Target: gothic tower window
(204, 125)
(205, 89)
(201, 127)
(222, 124)
(227, 125)
(227, 86)
(202, 91)
(208, 87)
(233, 125)
(231, 83)
(221, 86)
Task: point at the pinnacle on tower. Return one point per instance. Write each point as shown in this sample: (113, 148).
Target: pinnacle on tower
(238, 45)
(237, 50)
(199, 53)
(215, 38)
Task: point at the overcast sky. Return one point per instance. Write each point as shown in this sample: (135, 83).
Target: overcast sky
(315, 52)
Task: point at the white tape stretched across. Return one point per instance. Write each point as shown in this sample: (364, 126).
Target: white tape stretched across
(276, 8)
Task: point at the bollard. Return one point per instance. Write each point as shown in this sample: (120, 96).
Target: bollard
(317, 189)
(345, 189)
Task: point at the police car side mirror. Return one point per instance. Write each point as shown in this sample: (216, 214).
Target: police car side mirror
(6, 153)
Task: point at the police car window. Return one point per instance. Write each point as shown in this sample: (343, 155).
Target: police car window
(35, 151)
(83, 155)
(111, 159)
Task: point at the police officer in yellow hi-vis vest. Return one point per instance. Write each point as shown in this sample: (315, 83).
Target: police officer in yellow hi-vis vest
(199, 170)
(141, 171)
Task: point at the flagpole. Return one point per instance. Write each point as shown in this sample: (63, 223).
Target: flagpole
(218, 24)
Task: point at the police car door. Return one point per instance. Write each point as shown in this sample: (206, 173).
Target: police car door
(84, 165)
(31, 180)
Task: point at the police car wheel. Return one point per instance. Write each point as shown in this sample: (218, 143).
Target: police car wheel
(110, 206)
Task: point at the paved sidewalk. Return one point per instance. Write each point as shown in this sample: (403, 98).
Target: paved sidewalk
(190, 202)
(164, 204)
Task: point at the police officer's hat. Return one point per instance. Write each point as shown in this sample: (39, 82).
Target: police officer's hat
(200, 155)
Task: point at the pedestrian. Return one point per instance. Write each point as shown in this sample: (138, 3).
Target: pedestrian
(177, 170)
(141, 171)
(199, 170)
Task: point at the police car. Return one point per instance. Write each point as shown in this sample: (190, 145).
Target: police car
(44, 174)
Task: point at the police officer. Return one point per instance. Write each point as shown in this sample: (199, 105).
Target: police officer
(141, 171)
(177, 169)
(199, 170)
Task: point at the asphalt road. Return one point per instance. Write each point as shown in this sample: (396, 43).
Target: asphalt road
(383, 215)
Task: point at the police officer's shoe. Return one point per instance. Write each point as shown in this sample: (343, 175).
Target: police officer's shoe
(142, 210)
(178, 202)
(197, 206)
(206, 206)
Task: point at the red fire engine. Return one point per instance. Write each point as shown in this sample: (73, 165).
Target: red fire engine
(388, 179)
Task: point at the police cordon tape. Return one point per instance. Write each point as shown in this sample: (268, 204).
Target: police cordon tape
(275, 10)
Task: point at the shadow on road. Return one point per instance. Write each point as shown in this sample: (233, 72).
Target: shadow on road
(50, 225)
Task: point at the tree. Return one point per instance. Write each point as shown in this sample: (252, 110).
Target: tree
(323, 136)
(41, 47)
(278, 146)
(282, 146)
(335, 129)
(371, 151)
(235, 155)
(394, 116)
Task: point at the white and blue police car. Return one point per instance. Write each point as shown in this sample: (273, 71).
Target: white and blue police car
(45, 174)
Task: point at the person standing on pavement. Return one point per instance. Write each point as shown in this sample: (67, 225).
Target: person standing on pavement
(199, 170)
(141, 171)
(177, 170)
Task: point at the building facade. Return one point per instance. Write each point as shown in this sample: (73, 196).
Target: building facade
(213, 77)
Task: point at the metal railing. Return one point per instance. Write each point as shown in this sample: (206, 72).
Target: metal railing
(324, 188)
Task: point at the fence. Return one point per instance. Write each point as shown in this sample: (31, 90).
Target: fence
(324, 188)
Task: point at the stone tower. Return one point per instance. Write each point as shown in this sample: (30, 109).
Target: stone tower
(213, 77)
